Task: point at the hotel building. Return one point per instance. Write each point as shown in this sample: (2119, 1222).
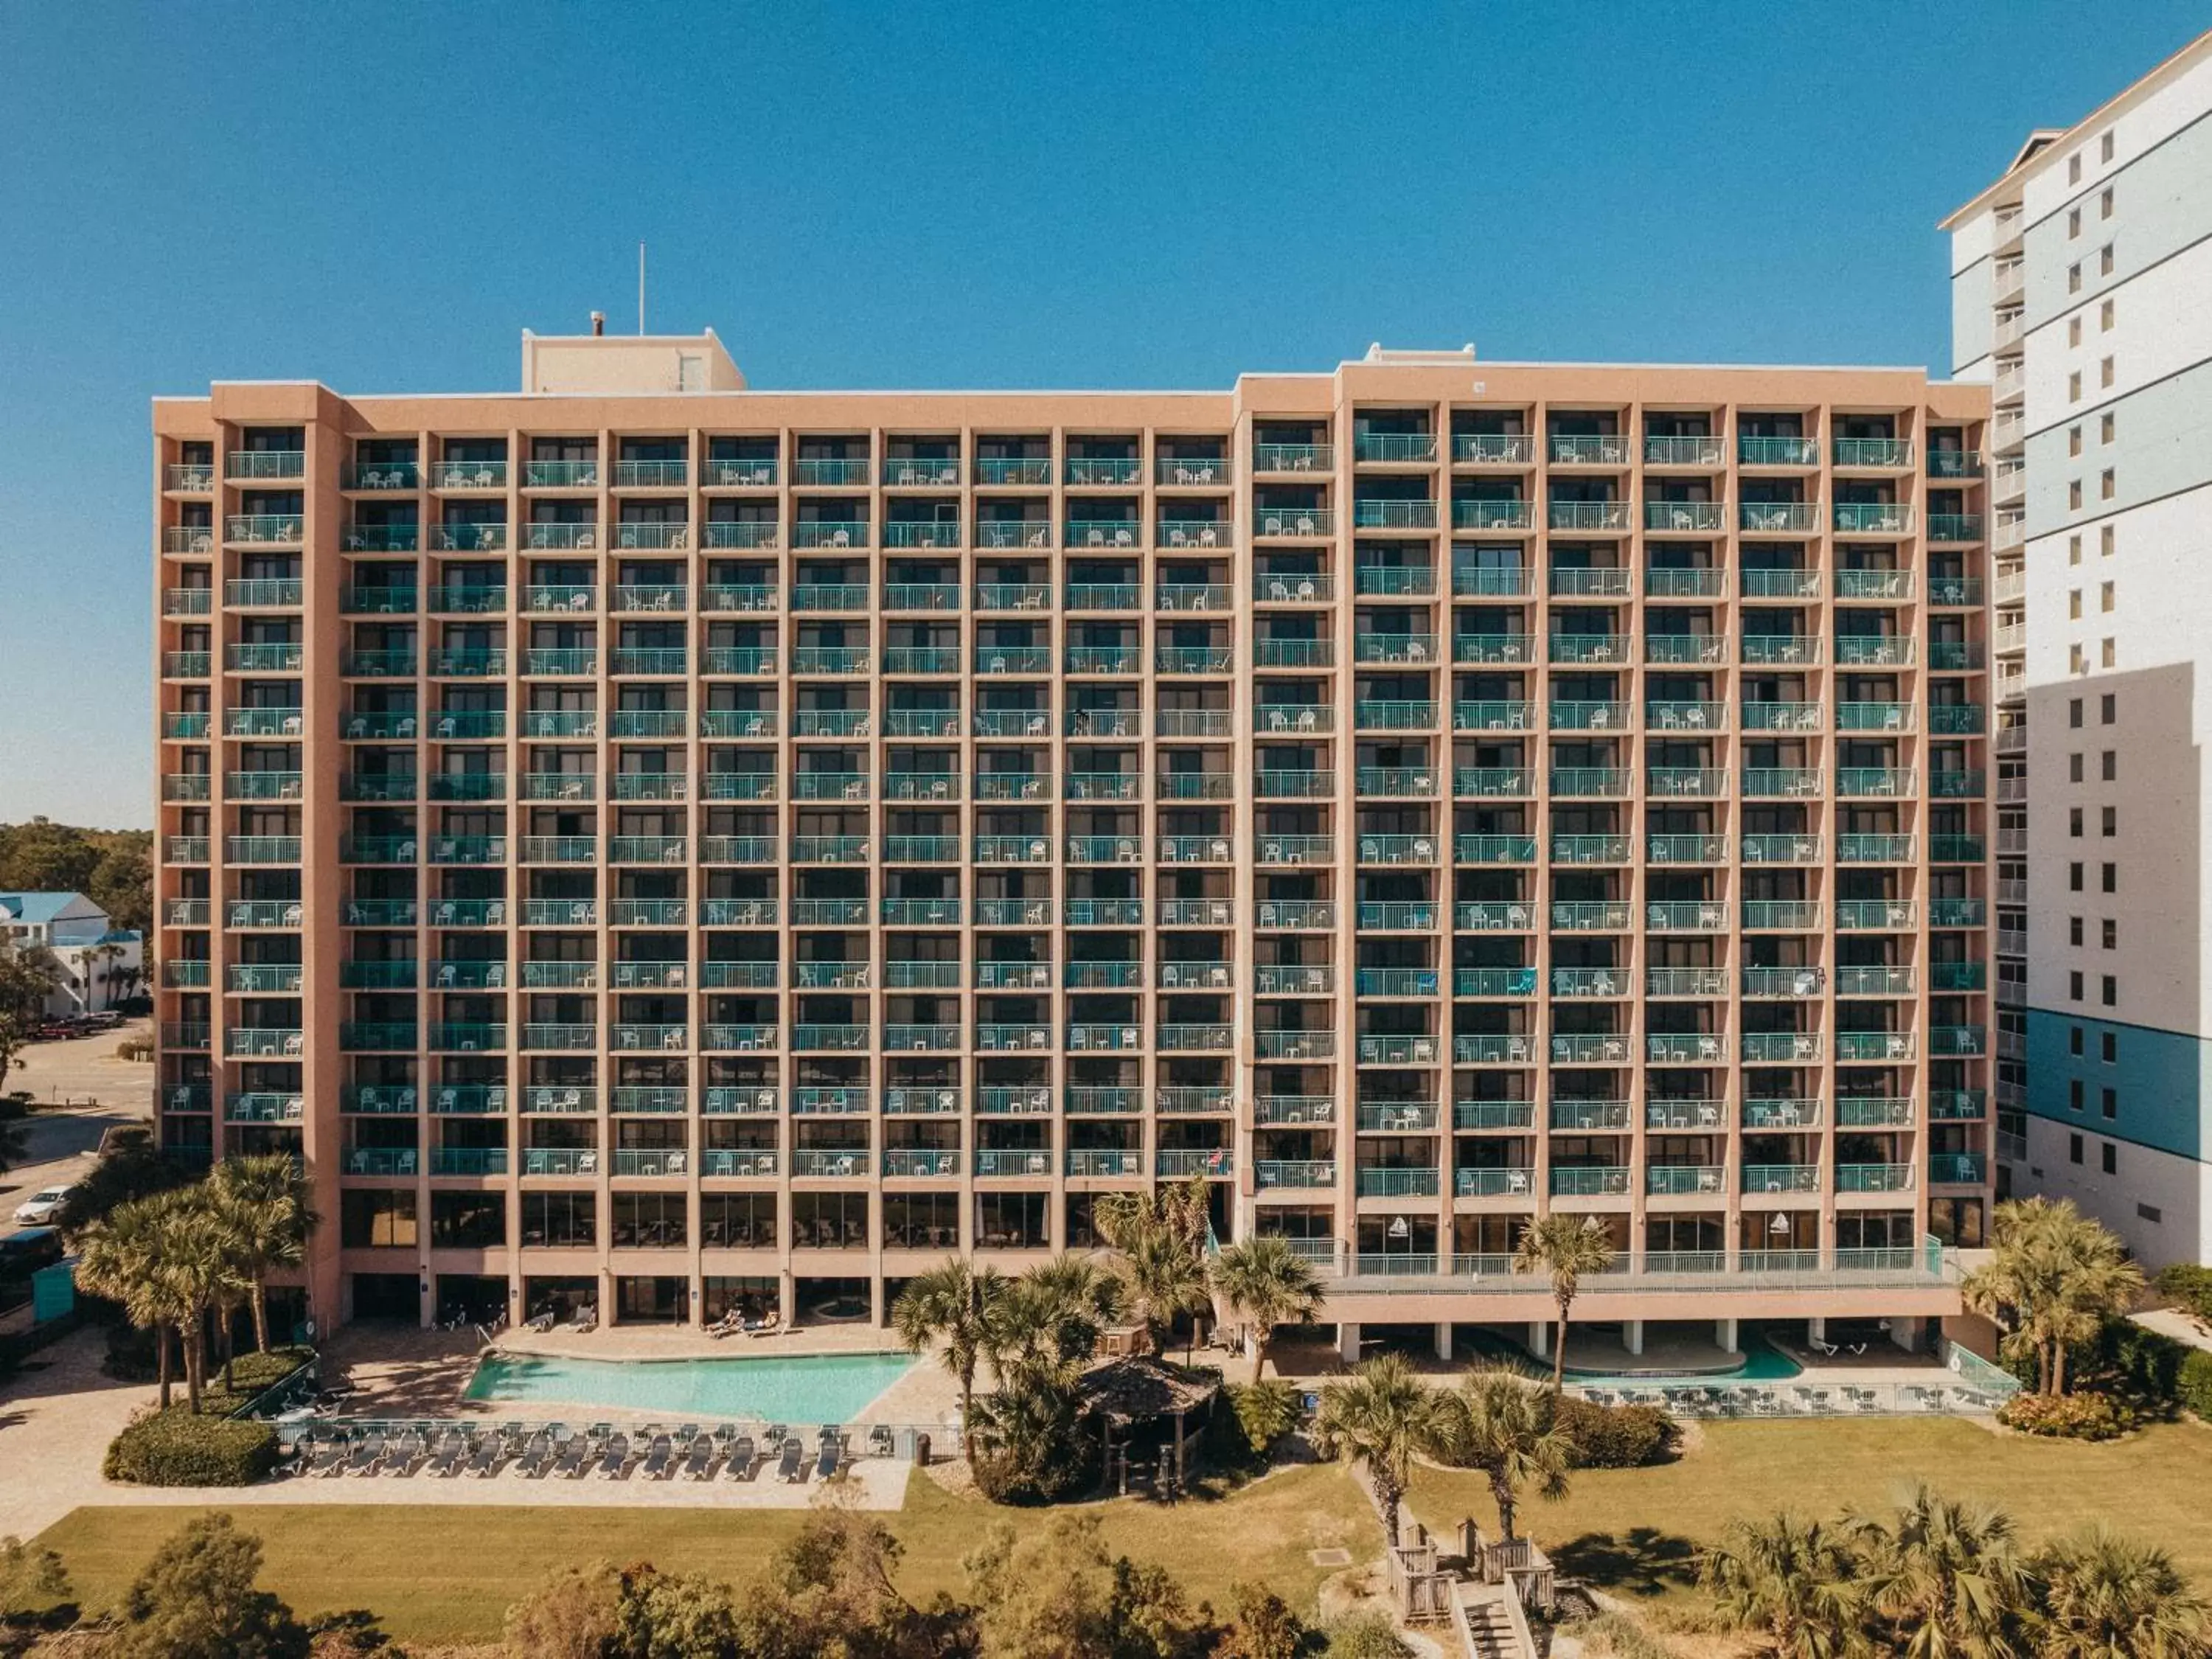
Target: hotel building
(656, 843)
(2082, 294)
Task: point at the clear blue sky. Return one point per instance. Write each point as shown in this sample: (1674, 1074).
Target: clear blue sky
(383, 197)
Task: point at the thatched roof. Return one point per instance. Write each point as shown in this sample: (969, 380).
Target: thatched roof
(1140, 1388)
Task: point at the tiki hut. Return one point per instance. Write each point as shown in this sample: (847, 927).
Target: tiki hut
(1147, 1414)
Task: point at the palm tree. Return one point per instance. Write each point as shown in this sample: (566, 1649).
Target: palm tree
(1791, 1580)
(116, 1259)
(1506, 1428)
(1269, 1283)
(1050, 1318)
(2105, 1596)
(197, 1258)
(1946, 1574)
(1165, 1277)
(2054, 1279)
(264, 1198)
(1566, 1247)
(954, 1305)
(1384, 1416)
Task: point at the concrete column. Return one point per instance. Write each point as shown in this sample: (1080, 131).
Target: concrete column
(786, 1291)
(1816, 1329)
(1445, 1340)
(1539, 1337)
(1631, 1335)
(1347, 1342)
(1724, 1336)
(1906, 1333)
(876, 1309)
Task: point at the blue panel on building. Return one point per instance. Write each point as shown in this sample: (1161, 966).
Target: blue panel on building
(2161, 1079)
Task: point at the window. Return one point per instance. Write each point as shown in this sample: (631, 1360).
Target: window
(2106, 313)
(2109, 992)
(370, 1220)
(2108, 707)
(2074, 985)
(2072, 223)
(2074, 768)
(2073, 504)
(2074, 1149)
(2073, 279)
(2073, 550)
(2111, 877)
(2104, 372)
(2109, 1047)
(2073, 169)
(2074, 821)
(2076, 1093)
(2072, 331)
(2074, 713)
(2108, 822)
(2105, 260)
(2077, 661)
(2104, 597)
(2108, 1102)
(2109, 933)
(2104, 148)
(2107, 541)
(2074, 877)
(2108, 653)
(2073, 441)
(2074, 938)
(2074, 594)
(2107, 484)
(2104, 203)
(2074, 1039)
(2106, 428)
(2108, 1155)
(2074, 394)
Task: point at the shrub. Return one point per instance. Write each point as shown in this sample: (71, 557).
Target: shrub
(1366, 1634)
(135, 1049)
(1616, 1635)
(2065, 1416)
(2188, 1286)
(176, 1448)
(2194, 1385)
(2139, 1366)
(1266, 1412)
(1615, 1437)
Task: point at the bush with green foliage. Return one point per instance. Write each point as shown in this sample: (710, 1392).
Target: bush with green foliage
(197, 1600)
(1615, 1437)
(2188, 1286)
(179, 1448)
(1265, 1412)
(2066, 1416)
(2193, 1386)
(1366, 1634)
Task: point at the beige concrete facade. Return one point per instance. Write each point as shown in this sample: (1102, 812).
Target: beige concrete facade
(659, 849)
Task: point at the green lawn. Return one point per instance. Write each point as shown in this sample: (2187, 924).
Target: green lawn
(448, 1572)
(1634, 1530)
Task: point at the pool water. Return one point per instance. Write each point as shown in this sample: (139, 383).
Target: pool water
(1762, 1363)
(818, 1388)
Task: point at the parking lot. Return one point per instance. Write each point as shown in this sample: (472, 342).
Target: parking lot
(62, 1143)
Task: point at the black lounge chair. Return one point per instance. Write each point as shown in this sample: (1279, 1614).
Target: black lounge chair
(574, 1452)
(536, 1458)
(614, 1458)
(791, 1465)
(738, 1466)
(660, 1460)
(367, 1455)
(330, 1456)
(448, 1458)
(699, 1462)
(880, 1441)
(832, 1454)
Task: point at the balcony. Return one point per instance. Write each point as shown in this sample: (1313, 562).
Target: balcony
(1376, 1181)
(1957, 1169)
(1374, 514)
(1708, 517)
(1780, 1048)
(380, 1161)
(264, 1043)
(1589, 648)
(1874, 1177)
(1677, 1180)
(1588, 515)
(1591, 1181)
(1890, 453)
(1781, 1178)
(1784, 915)
(468, 1161)
(1778, 451)
(1780, 518)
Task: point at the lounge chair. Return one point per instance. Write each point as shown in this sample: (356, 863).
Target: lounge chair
(700, 1464)
(367, 1455)
(614, 1458)
(738, 1465)
(576, 1452)
(660, 1460)
(831, 1454)
(791, 1462)
(329, 1458)
(448, 1458)
(881, 1443)
(483, 1456)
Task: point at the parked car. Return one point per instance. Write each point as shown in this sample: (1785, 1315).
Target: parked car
(40, 1206)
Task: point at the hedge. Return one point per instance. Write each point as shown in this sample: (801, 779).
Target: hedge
(2194, 1385)
(179, 1448)
(1615, 1436)
(2065, 1416)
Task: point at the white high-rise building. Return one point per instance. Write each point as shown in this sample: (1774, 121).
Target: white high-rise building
(2081, 289)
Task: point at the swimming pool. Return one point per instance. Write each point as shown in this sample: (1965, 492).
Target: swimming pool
(794, 1389)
